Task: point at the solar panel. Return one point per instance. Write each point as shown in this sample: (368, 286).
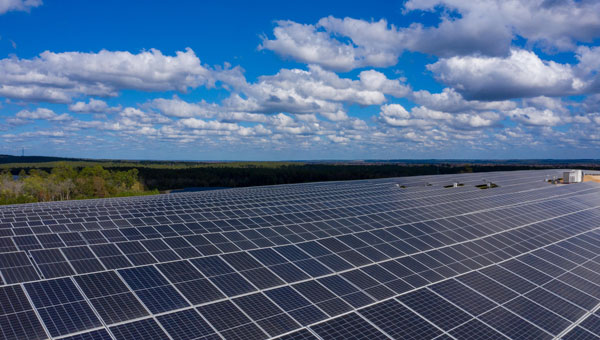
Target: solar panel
(61, 307)
(187, 324)
(110, 297)
(357, 259)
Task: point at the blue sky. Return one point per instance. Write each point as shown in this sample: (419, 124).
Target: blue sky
(268, 80)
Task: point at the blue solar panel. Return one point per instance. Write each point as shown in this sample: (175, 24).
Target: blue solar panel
(330, 260)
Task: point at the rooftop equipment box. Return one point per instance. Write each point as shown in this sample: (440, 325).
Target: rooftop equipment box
(574, 176)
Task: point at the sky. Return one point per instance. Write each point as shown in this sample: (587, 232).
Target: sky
(300, 80)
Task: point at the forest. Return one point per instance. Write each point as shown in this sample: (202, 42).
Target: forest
(66, 182)
(48, 178)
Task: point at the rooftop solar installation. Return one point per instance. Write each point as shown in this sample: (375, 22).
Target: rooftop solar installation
(398, 258)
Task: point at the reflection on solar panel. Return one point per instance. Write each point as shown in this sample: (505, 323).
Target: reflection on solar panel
(402, 258)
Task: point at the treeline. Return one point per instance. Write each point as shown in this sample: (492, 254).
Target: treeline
(65, 182)
(97, 181)
(164, 179)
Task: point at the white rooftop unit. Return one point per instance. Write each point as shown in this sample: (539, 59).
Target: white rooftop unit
(573, 176)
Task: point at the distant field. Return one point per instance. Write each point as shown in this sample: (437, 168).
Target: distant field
(591, 178)
(13, 162)
(153, 165)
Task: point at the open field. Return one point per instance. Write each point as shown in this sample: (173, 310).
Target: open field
(591, 178)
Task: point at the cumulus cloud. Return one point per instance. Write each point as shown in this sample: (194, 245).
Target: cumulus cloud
(204, 127)
(43, 114)
(591, 103)
(533, 116)
(522, 74)
(421, 117)
(485, 28)
(451, 101)
(589, 66)
(57, 77)
(294, 91)
(18, 5)
(176, 107)
(313, 91)
(228, 116)
(195, 123)
(346, 44)
(33, 134)
(589, 59)
(93, 106)
(553, 24)
(129, 119)
(311, 45)
(137, 116)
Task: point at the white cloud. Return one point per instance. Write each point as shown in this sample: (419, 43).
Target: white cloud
(372, 43)
(466, 27)
(194, 123)
(43, 114)
(294, 91)
(18, 5)
(257, 130)
(394, 111)
(33, 134)
(589, 59)
(130, 120)
(451, 101)
(543, 102)
(335, 116)
(591, 103)
(242, 117)
(338, 139)
(475, 121)
(93, 106)
(56, 77)
(176, 107)
(421, 117)
(136, 116)
(313, 91)
(307, 44)
(553, 24)
(589, 66)
(533, 116)
(522, 74)
(346, 44)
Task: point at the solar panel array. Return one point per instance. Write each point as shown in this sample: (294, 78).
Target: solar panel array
(401, 258)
